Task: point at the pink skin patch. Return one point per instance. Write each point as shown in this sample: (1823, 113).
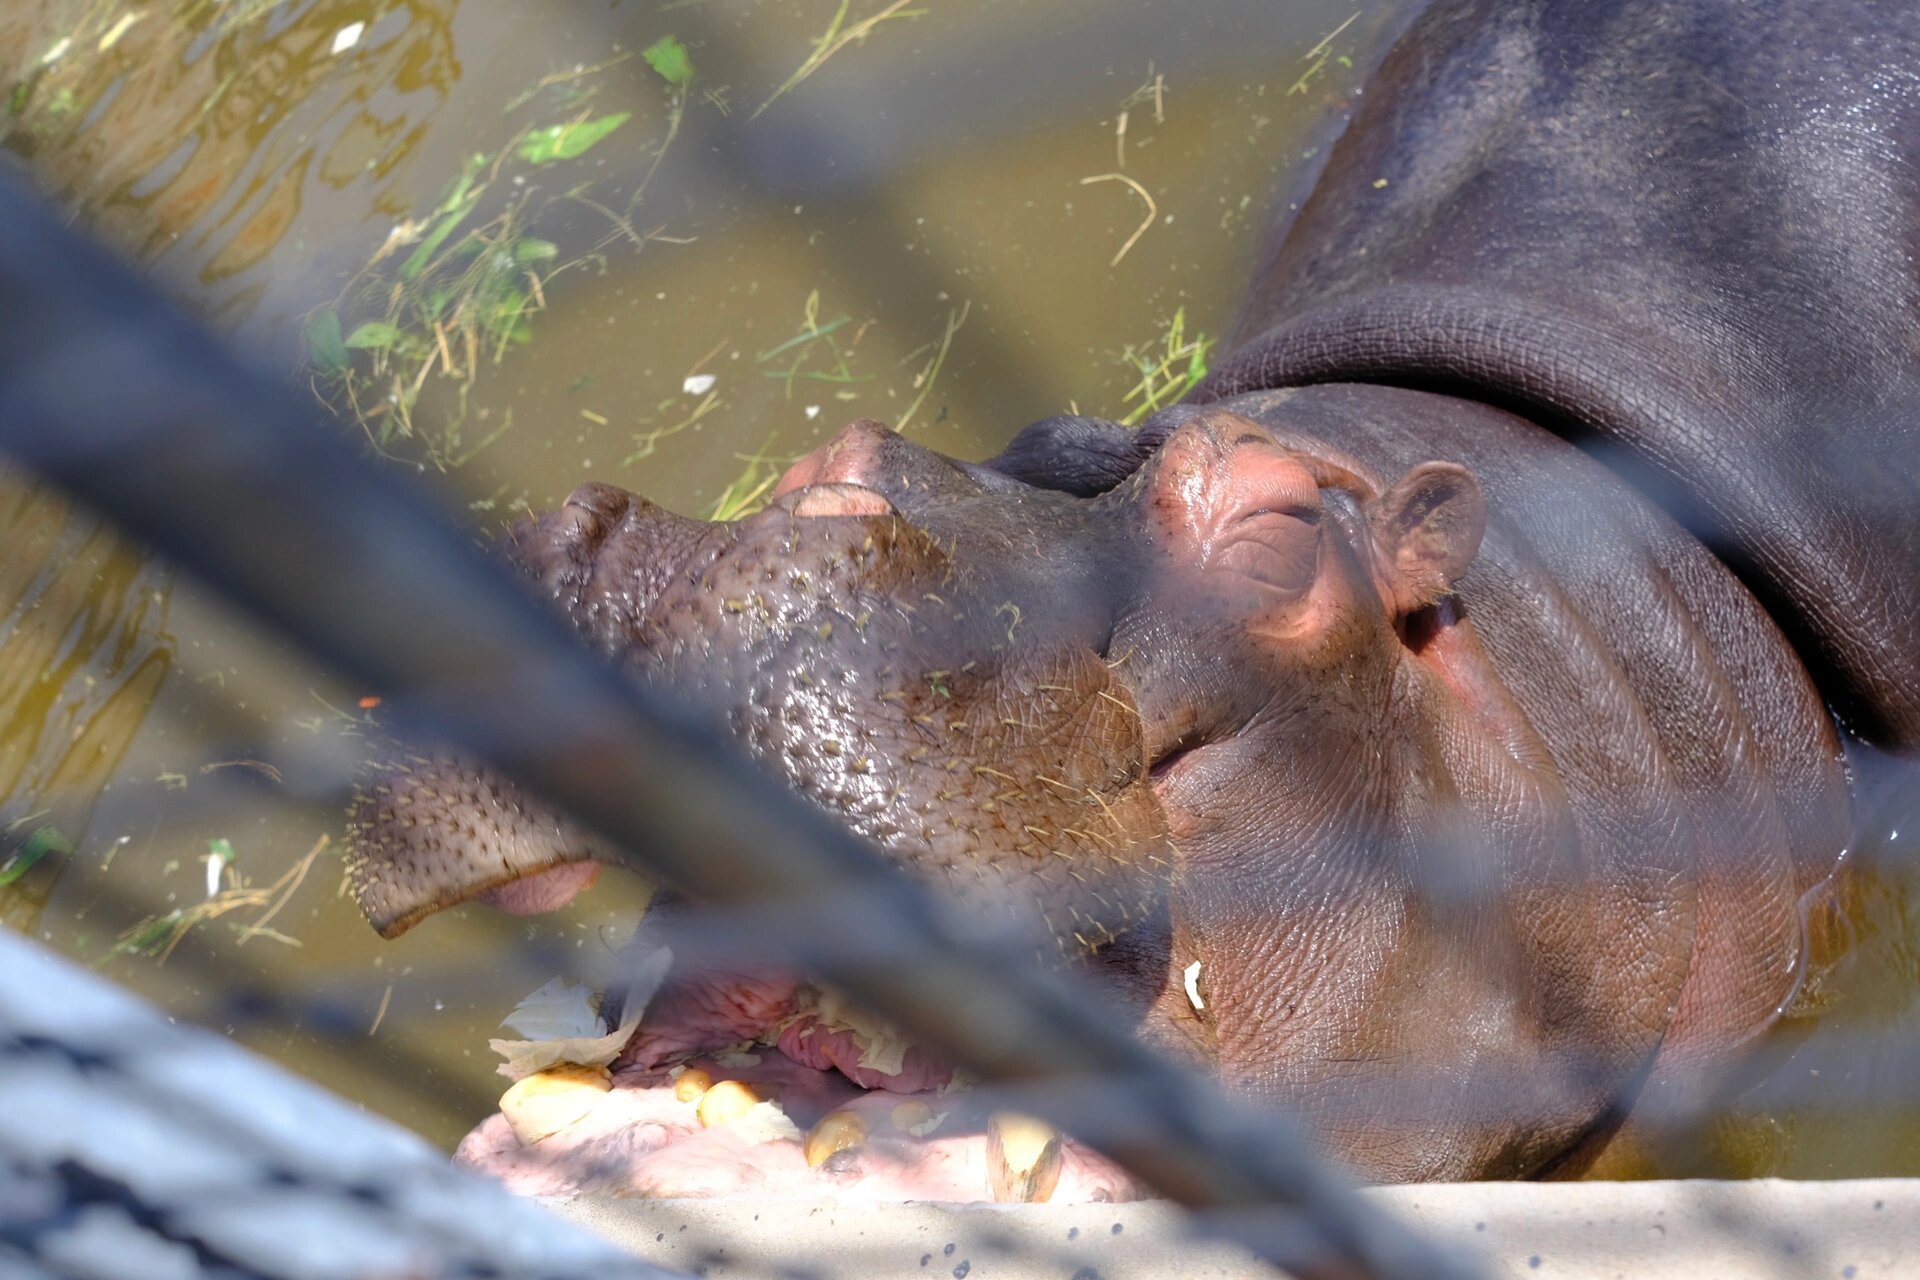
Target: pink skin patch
(840, 500)
(1246, 512)
(1251, 511)
(847, 459)
(829, 480)
(806, 471)
(543, 891)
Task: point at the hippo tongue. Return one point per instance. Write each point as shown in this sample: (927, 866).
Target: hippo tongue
(543, 891)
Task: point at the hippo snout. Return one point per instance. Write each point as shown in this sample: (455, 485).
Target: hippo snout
(869, 639)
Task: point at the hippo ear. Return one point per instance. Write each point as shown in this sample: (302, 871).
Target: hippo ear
(1425, 532)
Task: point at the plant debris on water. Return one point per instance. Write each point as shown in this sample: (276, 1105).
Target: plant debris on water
(1321, 54)
(646, 442)
(816, 339)
(40, 841)
(836, 37)
(748, 491)
(923, 381)
(1153, 209)
(466, 291)
(228, 890)
(1169, 366)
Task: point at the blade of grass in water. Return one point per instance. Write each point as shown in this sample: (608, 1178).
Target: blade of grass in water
(834, 39)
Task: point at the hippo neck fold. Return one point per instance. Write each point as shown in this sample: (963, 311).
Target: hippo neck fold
(1649, 877)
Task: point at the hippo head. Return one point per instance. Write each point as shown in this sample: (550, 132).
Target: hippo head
(1023, 691)
(1147, 685)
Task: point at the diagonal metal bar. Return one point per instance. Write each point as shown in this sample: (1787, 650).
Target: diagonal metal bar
(115, 394)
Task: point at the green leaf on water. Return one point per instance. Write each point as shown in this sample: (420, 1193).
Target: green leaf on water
(324, 345)
(417, 261)
(568, 141)
(453, 210)
(374, 335)
(42, 842)
(1197, 363)
(150, 935)
(527, 251)
(668, 57)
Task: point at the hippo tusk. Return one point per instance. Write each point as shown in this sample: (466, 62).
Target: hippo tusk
(1024, 1156)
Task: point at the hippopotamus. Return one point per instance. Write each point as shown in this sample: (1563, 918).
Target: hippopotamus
(1439, 724)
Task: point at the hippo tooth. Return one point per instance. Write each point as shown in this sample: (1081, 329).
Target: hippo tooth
(837, 1131)
(1023, 1158)
(726, 1102)
(692, 1084)
(546, 1102)
(1192, 975)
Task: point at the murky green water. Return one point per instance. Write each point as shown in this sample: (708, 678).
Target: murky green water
(978, 214)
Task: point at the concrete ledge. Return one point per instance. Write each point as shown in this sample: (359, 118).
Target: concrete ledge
(1587, 1231)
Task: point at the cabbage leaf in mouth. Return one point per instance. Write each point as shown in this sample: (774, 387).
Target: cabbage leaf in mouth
(562, 1023)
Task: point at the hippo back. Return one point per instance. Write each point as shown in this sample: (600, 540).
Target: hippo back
(1678, 234)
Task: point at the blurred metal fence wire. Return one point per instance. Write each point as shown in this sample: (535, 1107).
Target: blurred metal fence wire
(131, 1147)
(111, 392)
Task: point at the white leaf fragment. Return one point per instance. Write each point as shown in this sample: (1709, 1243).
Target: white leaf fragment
(347, 37)
(926, 1128)
(882, 1048)
(698, 384)
(765, 1122)
(561, 1022)
(1192, 975)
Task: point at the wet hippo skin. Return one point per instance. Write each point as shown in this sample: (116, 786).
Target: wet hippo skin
(1435, 726)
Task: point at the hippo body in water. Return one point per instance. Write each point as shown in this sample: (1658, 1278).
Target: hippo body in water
(1434, 726)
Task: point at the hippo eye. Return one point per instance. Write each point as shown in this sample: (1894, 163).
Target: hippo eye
(1306, 515)
(1277, 547)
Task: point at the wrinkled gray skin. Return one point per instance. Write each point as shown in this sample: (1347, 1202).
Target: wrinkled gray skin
(1489, 794)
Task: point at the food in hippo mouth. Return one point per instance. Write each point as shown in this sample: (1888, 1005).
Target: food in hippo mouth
(720, 1084)
(802, 1133)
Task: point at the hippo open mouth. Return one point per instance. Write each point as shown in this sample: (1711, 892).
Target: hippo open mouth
(736, 1083)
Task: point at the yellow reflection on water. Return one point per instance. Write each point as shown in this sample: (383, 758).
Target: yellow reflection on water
(83, 650)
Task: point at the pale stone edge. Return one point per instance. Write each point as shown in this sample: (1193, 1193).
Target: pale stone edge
(1766, 1229)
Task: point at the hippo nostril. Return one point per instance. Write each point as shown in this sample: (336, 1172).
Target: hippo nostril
(841, 500)
(603, 500)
